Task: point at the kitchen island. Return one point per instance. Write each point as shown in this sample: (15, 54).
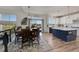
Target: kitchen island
(65, 34)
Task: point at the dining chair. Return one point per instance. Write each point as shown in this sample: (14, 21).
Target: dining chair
(25, 37)
(34, 36)
(18, 35)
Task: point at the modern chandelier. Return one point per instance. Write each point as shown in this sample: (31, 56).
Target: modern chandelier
(26, 20)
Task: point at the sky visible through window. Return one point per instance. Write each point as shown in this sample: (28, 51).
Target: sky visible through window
(7, 17)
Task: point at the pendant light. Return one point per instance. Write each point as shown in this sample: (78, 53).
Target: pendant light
(28, 16)
(26, 20)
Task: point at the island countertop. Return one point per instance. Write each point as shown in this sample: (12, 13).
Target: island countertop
(65, 34)
(64, 28)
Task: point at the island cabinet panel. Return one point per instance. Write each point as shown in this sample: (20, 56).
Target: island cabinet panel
(65, 35)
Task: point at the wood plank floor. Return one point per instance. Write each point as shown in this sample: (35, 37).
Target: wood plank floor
(48, 43)
(61, 46)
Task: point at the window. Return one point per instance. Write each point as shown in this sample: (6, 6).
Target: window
(51, 21)
(4, 17)
(36, 21)
(12, 17)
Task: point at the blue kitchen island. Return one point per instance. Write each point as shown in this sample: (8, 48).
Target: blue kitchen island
(65, 34)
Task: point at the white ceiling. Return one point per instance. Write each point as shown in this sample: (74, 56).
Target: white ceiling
(53, 10)
(43, 10)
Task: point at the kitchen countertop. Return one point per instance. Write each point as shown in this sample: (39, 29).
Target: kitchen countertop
(63, 28)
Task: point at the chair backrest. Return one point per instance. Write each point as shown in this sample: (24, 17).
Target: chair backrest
(19, 27)
(25, 33)
(37, 31)
(33, 33)
(17, 31)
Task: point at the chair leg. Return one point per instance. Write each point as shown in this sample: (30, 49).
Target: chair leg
(22, 45)
(29, 42)
(32, 42)
(15, 40)
(38, 41)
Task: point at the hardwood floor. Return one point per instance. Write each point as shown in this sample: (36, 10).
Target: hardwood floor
(48, 43)
(61, 46)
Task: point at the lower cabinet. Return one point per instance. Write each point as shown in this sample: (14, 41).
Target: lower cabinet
(65, 35)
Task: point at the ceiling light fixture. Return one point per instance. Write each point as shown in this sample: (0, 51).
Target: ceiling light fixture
(28, 16)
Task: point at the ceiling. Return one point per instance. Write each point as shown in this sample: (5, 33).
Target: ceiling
(53, 10)
(43, 10)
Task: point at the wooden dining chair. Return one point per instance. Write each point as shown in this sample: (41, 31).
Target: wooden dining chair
(18, 35)
(25, 36)
(34, 36)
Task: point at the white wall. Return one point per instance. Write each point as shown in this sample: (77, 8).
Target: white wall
(46, 29)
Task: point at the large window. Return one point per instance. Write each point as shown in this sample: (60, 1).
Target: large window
(36, 21)
(4, 17)
(12, 17)
(51, 21)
